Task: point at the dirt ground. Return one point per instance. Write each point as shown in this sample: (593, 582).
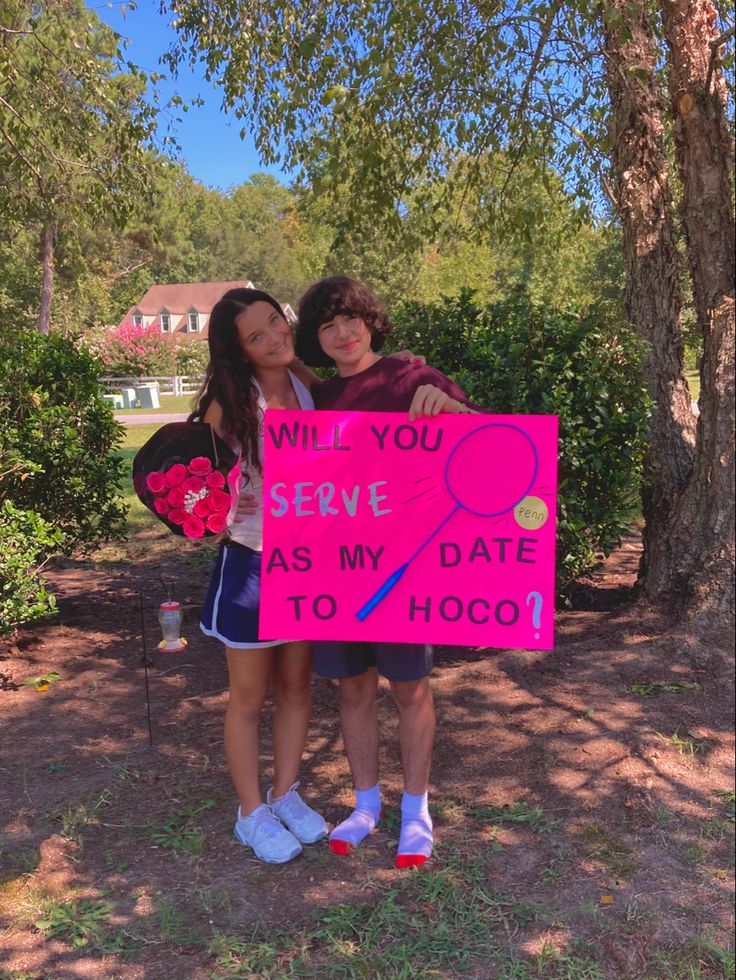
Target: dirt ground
(585, 796)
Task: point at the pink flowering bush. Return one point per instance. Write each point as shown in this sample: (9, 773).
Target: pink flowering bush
(131, 350)
(191, 497)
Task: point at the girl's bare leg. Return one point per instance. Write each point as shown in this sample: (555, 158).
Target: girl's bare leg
(292, 682)
(250, 675)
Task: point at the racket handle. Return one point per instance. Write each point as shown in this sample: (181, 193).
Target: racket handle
(384, 590)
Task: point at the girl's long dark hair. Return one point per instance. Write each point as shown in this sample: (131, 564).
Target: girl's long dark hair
(228, 379)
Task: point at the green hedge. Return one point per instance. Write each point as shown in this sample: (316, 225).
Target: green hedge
(25, 540)
(59, 482)
(520, 357)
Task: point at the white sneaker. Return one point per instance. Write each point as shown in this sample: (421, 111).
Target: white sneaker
(263, 831)
(305, 824)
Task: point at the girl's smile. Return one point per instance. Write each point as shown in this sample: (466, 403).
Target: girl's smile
(265, 337)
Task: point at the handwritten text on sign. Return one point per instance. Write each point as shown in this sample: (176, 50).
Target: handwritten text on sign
(433, 531)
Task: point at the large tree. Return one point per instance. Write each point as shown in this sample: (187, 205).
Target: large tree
(75, 124)
(383, 100)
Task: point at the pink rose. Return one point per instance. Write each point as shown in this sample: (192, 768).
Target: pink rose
(220, 501)
(193, 483)
(176, 475)
(175, 497)
(161, 506)
(216, 523)
(193, 527)
(215, 480)
(155, 482)
(203, 508)
(177, 516)
(200, 466)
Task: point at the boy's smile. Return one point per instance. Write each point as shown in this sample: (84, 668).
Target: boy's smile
(347, 340)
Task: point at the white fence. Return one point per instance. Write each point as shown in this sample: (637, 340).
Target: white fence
(178, 384)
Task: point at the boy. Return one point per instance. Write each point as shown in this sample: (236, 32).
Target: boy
(341, 324)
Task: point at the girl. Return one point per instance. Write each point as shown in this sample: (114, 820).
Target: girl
(251, 347)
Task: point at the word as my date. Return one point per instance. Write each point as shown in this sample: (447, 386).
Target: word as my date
(478, 610)
(495, 550)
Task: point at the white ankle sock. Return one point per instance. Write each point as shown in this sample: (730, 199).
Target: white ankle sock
(415, 840)
(352, 831)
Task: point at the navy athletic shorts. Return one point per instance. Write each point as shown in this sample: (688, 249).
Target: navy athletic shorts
(230, 611)
(394, 661)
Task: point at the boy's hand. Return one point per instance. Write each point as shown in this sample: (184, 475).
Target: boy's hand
(410, 356)
(247, 507)
(429, 401)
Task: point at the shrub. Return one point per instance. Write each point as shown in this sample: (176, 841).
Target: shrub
(192, 356)
(58, 480)
(131, 351)
(521, 357)
(25, 540)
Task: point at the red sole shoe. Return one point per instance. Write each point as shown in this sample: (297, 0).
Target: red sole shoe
(410, 860)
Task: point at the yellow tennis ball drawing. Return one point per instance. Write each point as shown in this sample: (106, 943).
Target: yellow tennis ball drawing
(531, 513)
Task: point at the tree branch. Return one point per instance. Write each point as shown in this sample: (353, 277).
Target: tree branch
(61, 161)
(537, 56)
(715, 46)
(21, 156)
(126, 272)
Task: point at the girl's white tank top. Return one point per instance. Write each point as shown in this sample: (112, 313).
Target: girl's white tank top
(249, 531)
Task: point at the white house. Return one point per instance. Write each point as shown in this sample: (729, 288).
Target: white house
(185, 307)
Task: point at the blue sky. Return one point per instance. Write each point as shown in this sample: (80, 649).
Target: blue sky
(211, 146)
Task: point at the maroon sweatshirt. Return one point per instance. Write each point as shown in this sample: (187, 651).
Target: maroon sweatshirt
(388, 385)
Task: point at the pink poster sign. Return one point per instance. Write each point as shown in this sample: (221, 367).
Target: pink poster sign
(432, 531)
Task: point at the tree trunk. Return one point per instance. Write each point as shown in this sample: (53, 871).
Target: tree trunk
(48, 237)
(698, 560)
(652, 298)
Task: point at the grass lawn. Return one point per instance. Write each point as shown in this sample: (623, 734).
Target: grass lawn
(138, 516)
(169, 403)
(693, 380)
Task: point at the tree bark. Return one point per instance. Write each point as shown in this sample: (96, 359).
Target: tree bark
(48, 238)
(697, 559)
(652, 298)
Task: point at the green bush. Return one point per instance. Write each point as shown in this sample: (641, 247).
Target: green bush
(25, 539)
(522, 358)
(59, 483)
(192, 356)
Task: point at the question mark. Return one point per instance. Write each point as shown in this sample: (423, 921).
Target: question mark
(536, 611)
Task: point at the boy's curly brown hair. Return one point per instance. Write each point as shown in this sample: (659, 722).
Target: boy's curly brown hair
(331, 297)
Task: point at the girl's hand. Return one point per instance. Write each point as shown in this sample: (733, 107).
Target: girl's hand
(410, 356)
(429, 401)
(247, 507)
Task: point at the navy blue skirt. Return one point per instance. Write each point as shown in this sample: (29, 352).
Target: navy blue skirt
(230, 611)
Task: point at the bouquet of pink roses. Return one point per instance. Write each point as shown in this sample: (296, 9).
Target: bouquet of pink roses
(188, 477)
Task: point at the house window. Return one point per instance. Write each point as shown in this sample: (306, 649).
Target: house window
(137, 320)
(194, 322)
(165, 323)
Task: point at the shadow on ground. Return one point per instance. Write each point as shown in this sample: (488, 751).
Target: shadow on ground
(579, 788)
